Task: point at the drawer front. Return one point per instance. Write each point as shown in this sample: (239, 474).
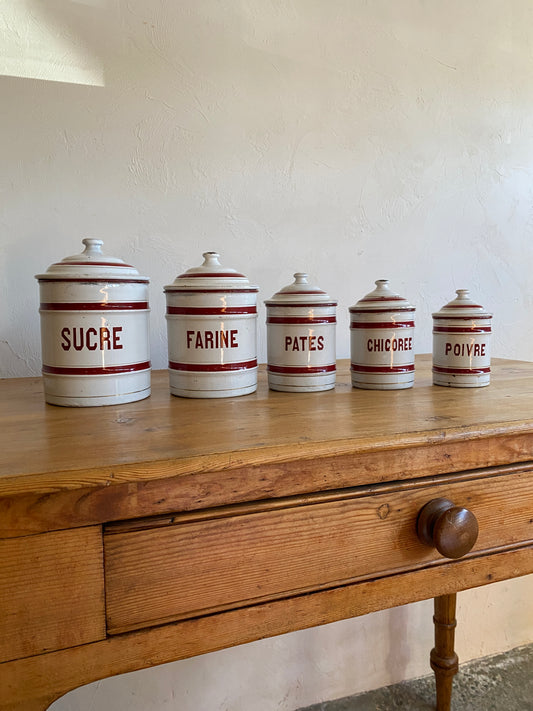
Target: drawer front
(156, 575)
(51, 592)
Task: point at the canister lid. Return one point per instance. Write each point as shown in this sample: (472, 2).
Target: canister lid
(211, 275)
(91, 265)
(300, 292)
(462, 307)
(382, 299)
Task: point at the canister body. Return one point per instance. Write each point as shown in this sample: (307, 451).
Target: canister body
(301, 323)
(94, 336)
(461, 344)
(382, 341)
(212, 332)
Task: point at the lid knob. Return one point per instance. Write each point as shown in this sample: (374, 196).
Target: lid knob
(462, 293)
(300, 277)
(382, 286)
(211, 259)
(93, 247)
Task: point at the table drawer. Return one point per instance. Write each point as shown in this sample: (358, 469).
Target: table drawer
(234, 557)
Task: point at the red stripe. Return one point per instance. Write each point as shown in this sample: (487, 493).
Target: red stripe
(316, 291)
(216, 275)
(94, 264)
(94, 280)
(302, 319)
(382, 298)
(456, 329)
(106, 370)
(383, 324)
(191, 290)
(212, 367)
(212, 311)
(461, 371)
(476, 317)
(91, 306)
(382, 369)
(355, 310)
(297, 370)
(301, 305)
(463, 306)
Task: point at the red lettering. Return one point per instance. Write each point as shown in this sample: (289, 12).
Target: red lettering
(302, 343)
(117, 345)
(91, 346)
(213, 339)
(65, 333)
(78, 344)
(105, 339)
(91, 338)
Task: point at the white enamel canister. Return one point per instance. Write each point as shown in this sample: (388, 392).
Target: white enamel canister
(461, 343)
(212, 332)
(301, 322)
(382, 340)
(94, 330)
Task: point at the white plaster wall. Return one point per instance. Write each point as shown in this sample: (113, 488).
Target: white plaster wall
(351, 139)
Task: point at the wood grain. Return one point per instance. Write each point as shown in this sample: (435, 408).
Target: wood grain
(156, 575)
(56, 673)
(267, 445)
(444, 660)
(51, 592)
(308, 500)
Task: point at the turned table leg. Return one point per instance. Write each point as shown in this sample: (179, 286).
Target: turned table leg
(444, 660)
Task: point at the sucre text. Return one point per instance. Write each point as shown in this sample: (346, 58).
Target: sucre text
(91, 339)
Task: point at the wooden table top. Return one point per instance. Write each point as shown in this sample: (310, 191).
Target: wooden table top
(45, 442)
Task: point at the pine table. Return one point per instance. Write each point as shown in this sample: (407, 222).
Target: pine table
(138, 534)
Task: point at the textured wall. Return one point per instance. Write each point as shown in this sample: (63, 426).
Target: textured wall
(352, 139)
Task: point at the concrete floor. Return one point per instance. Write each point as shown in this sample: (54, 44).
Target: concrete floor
(501, 683)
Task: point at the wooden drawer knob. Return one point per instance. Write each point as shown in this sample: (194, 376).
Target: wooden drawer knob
(451, 529)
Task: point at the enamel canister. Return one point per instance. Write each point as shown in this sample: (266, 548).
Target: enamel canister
(382, 340)
(94, 330)
(212, 332)
(301, 322)
(461, 343)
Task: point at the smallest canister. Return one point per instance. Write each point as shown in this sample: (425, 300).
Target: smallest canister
(461, 343)
(382, 340)
(301, 320)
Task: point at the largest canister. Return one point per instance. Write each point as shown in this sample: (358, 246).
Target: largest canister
(94, 330)
(212, 332)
